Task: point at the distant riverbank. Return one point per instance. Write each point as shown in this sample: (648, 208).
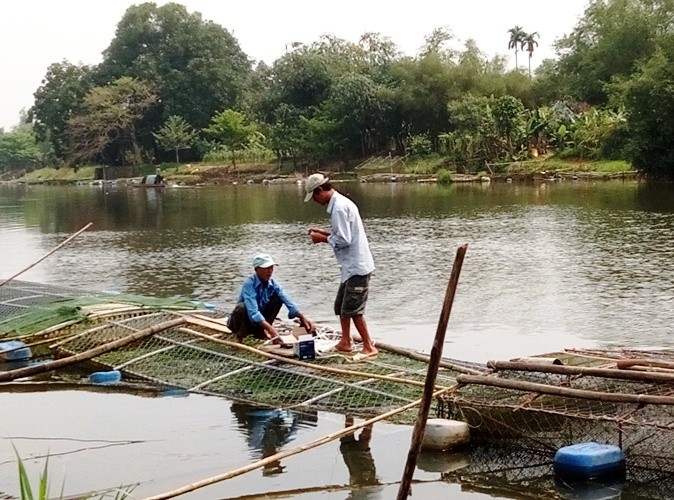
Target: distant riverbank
(200, 174)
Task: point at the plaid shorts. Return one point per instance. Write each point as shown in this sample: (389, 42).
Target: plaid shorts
(352, 296)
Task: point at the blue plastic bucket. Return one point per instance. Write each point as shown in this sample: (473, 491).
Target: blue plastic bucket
(18, 351)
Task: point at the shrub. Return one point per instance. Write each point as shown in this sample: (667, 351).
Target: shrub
(444, 176)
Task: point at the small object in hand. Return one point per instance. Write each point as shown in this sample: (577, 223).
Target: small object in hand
(272, 340)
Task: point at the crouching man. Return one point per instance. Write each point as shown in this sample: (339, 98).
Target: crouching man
(260, 302)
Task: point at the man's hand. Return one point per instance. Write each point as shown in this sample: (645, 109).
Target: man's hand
(305, 322)
(270, 332)
(318, 236)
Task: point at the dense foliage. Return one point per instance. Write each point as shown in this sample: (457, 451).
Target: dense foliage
(172, 82)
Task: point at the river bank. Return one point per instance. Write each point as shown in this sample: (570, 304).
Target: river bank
(544, 169)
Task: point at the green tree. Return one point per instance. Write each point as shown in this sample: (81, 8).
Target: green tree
(302, 77)
(359, 106)
(508, 113)
(608, 42)
(57, 100)
(529, 43)
(197, 65)
(232, 130)
(111, 122)
(648, 97)
(422, 90)
(19, 149)
(517, 34)
(474, 139)
(380, 52)
(175, 134)
(435, 42)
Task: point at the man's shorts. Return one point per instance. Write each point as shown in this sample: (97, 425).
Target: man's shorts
(352, 296)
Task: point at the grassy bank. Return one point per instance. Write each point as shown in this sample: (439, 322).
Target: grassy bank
(193, 173)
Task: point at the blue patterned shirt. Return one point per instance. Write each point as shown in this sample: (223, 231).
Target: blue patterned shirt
(256, 295)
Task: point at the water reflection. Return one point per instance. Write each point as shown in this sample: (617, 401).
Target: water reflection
(358, 457)
(268, 430)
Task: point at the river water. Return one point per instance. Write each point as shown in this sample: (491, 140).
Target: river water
(549, 266)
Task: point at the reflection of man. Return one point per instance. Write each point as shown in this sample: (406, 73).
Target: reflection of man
(268, 429)
(357, 456)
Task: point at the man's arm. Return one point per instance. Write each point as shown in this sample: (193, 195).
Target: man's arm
(250, 301)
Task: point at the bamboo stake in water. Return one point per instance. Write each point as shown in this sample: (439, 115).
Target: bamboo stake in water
(433, 365)
(47, 254)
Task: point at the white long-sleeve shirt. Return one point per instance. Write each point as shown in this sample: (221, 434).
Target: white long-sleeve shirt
(347, 238)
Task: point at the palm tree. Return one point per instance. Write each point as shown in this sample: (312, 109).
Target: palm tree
(516, 36)
(528, 43)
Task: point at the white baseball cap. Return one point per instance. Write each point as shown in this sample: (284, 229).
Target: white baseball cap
(263, 260)
(313, 181)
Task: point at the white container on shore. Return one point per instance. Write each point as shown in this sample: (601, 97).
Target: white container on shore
(445, 434)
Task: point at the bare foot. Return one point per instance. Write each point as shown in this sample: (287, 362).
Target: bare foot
(343, 347)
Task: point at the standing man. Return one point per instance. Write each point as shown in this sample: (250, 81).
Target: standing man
(349, 242)
(260, 302)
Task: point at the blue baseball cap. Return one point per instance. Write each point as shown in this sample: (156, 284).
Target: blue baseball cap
(263, 260)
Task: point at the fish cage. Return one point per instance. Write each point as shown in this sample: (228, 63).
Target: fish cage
(619, 397)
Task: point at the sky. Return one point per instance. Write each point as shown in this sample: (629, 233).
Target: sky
(37, 33)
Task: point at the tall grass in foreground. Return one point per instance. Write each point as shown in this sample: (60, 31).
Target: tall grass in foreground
(24, 482)
(43, 485)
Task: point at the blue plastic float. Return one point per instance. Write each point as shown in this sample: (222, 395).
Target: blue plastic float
(589, 460)
(17, 351)
(106, 378)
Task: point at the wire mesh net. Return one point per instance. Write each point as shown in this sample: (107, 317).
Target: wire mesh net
(515, 470)
(182, 356)
(508, 416)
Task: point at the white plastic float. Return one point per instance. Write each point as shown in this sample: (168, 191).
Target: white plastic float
(445, 434)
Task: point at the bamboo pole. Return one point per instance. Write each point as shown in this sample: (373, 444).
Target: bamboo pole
(425, 358)
(629, 363)
(288, 453)
(433, 365)
(47, 254)
(583, 370)
(91, 353)
(519, 385)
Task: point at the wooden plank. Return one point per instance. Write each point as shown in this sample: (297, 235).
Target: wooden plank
(206, 322)
(286, 352)
(219, 321)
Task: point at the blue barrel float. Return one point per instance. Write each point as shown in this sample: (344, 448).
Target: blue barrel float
(589, 460)
(106, 378)
(14, 350)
